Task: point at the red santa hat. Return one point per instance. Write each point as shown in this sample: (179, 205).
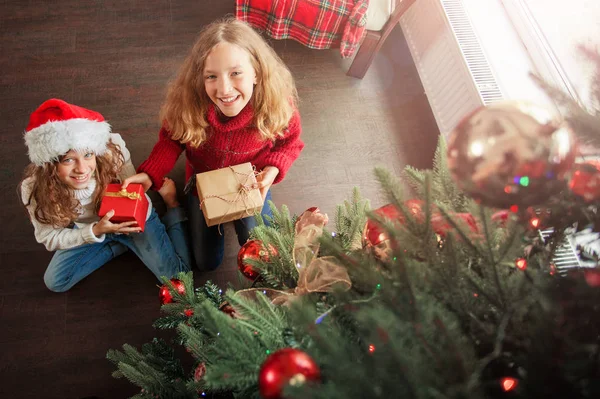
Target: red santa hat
(57, 127)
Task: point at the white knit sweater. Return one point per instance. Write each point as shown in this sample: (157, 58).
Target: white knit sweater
(55, 238)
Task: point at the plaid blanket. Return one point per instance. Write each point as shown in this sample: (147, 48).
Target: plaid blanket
(318, 24)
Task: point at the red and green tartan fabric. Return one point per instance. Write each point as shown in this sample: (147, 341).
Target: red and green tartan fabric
(318, 24)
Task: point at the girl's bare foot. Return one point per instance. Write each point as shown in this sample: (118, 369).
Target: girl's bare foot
(168, 192)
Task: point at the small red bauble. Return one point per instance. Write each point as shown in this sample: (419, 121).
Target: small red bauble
(592, 277)
(199, 372)
(373, 234)
(165, 296)
(501, 217)
(225, 307)
(585, 180)
(536, 218)
(252, 249)
(375, 239)
(286, 366)
(441, 226)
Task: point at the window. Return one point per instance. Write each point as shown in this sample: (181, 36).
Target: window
(552, 31)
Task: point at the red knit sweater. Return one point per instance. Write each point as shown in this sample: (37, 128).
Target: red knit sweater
(228, 143)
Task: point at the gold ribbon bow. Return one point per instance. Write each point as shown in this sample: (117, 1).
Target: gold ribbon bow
(124, 194)
(315, 274)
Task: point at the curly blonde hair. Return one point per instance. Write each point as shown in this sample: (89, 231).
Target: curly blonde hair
(54, 200)
(274, 98)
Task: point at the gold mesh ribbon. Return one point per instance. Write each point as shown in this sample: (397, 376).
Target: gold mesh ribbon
(123, 193)
(242, 194)
(315, 274)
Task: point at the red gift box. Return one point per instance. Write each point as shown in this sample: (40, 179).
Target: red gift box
(129, 204)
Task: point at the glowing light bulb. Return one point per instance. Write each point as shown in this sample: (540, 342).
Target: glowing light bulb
(508, 384)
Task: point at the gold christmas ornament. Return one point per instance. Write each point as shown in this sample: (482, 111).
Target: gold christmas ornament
(511, 153)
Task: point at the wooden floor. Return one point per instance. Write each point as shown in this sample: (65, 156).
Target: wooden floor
(116, 57)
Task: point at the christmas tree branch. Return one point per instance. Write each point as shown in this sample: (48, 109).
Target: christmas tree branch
(427, 199)
(458, 229)
(493, 261)
(264, 316)
(390, 185)
(479, 290)
(457, 355)
(475, 379)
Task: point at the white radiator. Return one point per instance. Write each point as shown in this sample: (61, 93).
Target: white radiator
(468, 53)
(454, 70)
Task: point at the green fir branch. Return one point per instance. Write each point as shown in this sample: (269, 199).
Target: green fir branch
(350, 219)
(415, 179)
(210, 291)
(458, 229)
(390, 185)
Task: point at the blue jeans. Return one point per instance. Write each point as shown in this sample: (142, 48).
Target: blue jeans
(162, 247)
(208, 246)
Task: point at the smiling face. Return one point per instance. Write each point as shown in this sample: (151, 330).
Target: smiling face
(76, 169)
(229, 78)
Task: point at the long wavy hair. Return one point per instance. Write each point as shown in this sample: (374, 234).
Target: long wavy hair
(54, 200)
(274, 99)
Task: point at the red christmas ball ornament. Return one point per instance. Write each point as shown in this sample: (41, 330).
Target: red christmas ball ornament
(252, 249)
(375, 238)
(501, 217)
(441, 226)
(373, 234)
(188, 312)
(585, 180)
(511, 153)
(165, 295)
(534, 218)
(225, 307)
(592, 277)
(199, 372)
(286, 366)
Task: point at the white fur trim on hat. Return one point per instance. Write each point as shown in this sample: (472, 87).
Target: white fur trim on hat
(46, 143)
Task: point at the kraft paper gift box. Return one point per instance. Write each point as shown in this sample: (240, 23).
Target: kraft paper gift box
(228, 194)
(129, 205)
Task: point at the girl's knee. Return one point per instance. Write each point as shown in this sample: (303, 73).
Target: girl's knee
(54, 285)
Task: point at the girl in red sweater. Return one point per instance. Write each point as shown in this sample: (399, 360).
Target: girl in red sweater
(233, 101)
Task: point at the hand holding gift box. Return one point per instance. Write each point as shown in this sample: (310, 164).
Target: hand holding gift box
(228, 194)
(129, 204)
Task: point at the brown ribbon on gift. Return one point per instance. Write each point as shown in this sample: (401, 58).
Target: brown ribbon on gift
(242, 193)
(315, 274)
(124, 194)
